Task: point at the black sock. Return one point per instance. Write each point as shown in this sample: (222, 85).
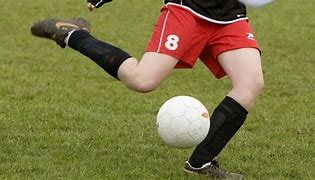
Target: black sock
(105, 55)
(225, 121)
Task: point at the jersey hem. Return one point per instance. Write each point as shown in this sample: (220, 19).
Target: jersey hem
(204, 17)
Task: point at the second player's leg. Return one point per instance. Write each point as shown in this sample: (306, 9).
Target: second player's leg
(146, 74)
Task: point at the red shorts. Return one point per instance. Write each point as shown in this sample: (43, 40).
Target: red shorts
(183, 35)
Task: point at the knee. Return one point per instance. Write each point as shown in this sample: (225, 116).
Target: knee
(145, 86)
(140, 82)
(251, 87)
(258, 85)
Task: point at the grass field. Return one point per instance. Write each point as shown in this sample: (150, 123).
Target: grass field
(62, 117)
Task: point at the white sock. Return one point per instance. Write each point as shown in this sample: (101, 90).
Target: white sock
(66, 40)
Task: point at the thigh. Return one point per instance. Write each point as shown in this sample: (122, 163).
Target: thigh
(146, 74)
(242, 65)
(156, 65)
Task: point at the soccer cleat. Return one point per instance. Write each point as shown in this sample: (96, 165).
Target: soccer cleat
(57, 29)
(211, 170)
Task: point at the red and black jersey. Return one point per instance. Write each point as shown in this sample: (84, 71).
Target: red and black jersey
(217, 11)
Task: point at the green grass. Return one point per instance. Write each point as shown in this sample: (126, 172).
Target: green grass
(62, 117)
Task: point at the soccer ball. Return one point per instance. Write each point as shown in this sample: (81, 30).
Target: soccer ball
(183, 122)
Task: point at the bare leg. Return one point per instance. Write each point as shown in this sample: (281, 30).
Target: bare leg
(146, 74)
(243, 67)
(142, 76)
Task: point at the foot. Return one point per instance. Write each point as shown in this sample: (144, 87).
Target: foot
(212, 170)
(57, 29)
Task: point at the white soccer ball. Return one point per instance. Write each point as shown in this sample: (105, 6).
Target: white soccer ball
(255, 3)
(183, 122)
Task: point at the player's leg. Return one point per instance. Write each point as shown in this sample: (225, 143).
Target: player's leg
(146, 74)
(243, 67)
(245, 74)
(143, 76)
(171, 39)
(234, 52)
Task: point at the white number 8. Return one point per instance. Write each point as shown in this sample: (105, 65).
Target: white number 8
(172, 42)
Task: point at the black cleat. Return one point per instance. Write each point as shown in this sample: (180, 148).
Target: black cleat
(211, 170)
(57, 29)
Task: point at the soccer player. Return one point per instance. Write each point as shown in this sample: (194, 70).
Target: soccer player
(216, 32)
